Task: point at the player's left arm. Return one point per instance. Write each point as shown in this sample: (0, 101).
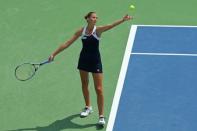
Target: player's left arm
(101, 29)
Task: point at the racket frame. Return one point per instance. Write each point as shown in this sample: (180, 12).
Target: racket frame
(34, 65)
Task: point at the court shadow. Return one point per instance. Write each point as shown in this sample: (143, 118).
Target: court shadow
(99, 127)
(60, 125)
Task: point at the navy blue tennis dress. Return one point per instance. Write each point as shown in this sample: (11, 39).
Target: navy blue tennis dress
(90, 59)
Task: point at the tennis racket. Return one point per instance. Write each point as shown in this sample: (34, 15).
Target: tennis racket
(26, 71)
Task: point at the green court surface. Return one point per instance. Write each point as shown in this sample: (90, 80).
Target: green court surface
(30, 30)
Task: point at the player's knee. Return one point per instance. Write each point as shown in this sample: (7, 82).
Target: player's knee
(99, 90)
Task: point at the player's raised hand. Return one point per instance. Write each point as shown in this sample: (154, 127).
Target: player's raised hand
(127, 17)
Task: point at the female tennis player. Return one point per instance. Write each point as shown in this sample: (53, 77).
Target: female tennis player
(90, 60)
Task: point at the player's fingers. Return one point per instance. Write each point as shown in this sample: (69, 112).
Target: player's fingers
(51, 58)
(128, 17)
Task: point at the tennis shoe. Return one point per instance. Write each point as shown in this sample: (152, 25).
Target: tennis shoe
(101, 121)
(86, 111)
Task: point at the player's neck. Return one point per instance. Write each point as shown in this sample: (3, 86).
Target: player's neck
(89, 29)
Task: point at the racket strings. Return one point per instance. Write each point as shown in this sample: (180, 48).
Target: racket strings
(25, 71)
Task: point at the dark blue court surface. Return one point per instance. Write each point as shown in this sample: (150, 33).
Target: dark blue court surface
(160, 86)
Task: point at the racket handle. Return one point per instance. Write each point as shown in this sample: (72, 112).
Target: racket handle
(45, 62)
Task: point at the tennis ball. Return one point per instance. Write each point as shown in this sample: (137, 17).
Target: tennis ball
(132, 7)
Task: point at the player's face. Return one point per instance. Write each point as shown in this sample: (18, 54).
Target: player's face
(93, 18)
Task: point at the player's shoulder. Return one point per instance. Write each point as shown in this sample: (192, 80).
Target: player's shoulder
(99, 30)
(79, 31)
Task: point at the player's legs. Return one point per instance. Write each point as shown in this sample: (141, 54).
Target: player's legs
(85, 81)
(98, 83)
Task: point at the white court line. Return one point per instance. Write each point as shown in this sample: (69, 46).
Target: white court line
(121, 79)
(127, 55)
(164, 54)
(187, 26)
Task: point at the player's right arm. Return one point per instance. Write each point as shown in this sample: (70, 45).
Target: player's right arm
(66, 44)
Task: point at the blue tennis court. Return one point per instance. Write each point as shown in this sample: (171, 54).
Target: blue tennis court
(157, 87)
